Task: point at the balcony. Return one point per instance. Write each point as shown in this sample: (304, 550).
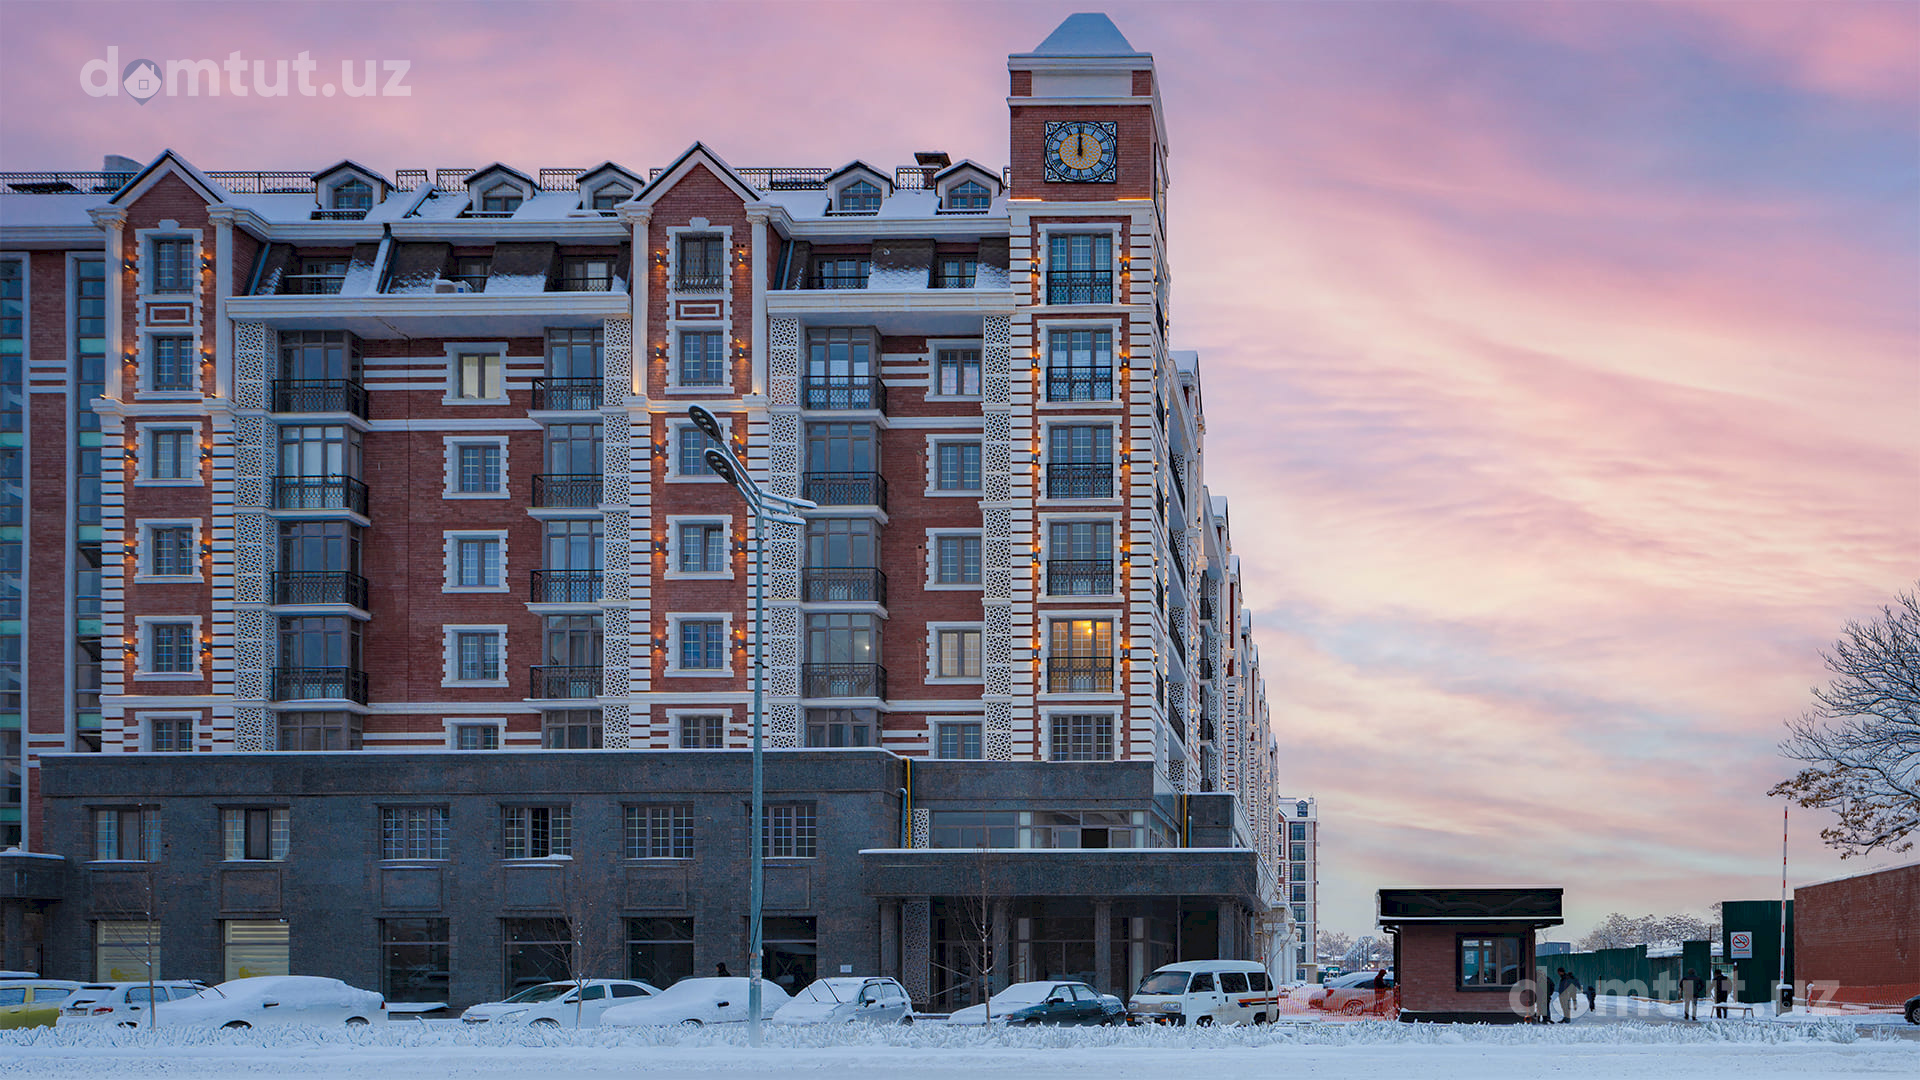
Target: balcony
(1176, 632)
(1079, 384)
(320, 396)
(567, 491)
(700, 283)
(1079, 577)
(566, 587)
(311, 284)
(315, 587)
(839, 279)
(1079, 286)
(584, 283)
(844, 585)
(842, 392)
(1206, 604)
(568, 395)
(319, 684)
(843, 680)
(846, 489)
(557, 681)
(1178, 466)
(320, 493)
(1080, 674)
(1080, 480)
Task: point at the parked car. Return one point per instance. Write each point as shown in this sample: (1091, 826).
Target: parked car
(1913, 1009)
(694, 1002)
(122, 1004)
(1354, 994)
(1201, 993)
(273, 1000)
(848, 1000)
(33, 1002)
(1052, 1001)
(561, 1004)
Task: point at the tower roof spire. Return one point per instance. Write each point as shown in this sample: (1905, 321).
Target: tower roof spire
(1086, 34)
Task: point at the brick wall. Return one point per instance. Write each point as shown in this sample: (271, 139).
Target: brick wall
(1860, 936)
(1428, 971)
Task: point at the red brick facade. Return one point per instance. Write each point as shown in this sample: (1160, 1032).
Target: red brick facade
(1857, 940)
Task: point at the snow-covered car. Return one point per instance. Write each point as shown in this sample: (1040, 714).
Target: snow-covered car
(122, 1004)
(33, 1001)
(716, 999)
(274, 1000)
(561, 1004)
(1054, 1001)
(1355, 994)
(848, 1000)
(1201, 993)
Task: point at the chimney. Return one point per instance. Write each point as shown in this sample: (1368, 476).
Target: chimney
(117, 164)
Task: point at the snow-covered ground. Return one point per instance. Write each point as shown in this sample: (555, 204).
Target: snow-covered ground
(1596, 1050)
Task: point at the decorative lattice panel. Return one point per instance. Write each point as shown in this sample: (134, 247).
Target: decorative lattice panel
(916, 948)
(616, 336)
(250, 729)
(616, 545)
(998, 731)
(783, 724)
(615, 726)
(783, 363)
(252, 652)
(921, 831)
(783, 452)
(253, 345)
(616, 450)
(254, 552)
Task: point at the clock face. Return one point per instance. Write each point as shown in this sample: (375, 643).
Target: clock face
(1082, 151)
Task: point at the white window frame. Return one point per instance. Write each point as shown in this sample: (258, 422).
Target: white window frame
(677, 428)
(1043, 248)
(674, 620)
(1044, 525)
(453, 445)
(723, 388)
(1120, 493)
(450, 653)
(933, 735)
(1042, 335)
(144, 721)
(150, 273)
(934, 630)
(143, 646)
(143, 565)
(673, 571)
(453, 724)
(839, 192)
(451, 540)
(934, 348)
(934, 584)
(1046, 732)
(149, 356)
(143, 451)
(454, 350)
(675, 716)
(697, 227)
(934, 442)
(1043, 623)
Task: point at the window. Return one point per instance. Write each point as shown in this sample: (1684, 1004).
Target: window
(1298, 894)
(958, 466)
(1298, 873)
(1081, 737)
(957, 654)
(353, 195)
(126, 951)
(789, 955)
(500, 200)
(1298, 853)
(477, 468)
(537, 951)
(1079, 365)
(958, 373)
(1081, 659)
(478, 375)
(703, 264)
(174, 365)
(413, 832)
(170, 736)
(1080, 268)
(842, 543)
(606, 198)
(1297, 830)
(860, 197)
(476, 562)
(172, 455)
(842, 727)
(968, 195)
(170, 648)
(571, 729)
(318, 277)
(840, 273)
(170, 551)
(1299, 914)
(659, 951)
(319, 731)
(128, 834)
(309, 546)
(959, 740)
(415, 959)
(1301, 808)
(576, 354)
(955, 271)
(693, 448)
(1083, 828)
(256, 947)
(973, 828)
(476, 655)
(573, 450)
(1080, 464)
(702, 548)
(957, 560)
(318, 451)
(471, 270)
(1489, 961)
(536, 832)
(702, 360)
(586, 274)
(255, 834)
(1080, 558)
(789, 831)
(659, 832)
(476, 737)
(173, 265)
(703, 644)
(703, 731)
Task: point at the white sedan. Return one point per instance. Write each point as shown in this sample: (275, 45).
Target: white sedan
(561, 1004)
(274, 1000)
(848, 1000)
(694, 1002)
(122, 1004)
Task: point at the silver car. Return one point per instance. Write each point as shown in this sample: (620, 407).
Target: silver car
(849, 999)
(122, 1004)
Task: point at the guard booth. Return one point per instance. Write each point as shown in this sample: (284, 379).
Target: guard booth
(1466, 955)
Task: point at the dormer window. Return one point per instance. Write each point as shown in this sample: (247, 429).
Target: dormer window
(970, 195)
(501, 200)
(860, 197)
(353, 195)
(609, 197)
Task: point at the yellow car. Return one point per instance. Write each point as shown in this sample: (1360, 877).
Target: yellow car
(26, 1003)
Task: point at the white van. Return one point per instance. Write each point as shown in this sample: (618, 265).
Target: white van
(1205, 992)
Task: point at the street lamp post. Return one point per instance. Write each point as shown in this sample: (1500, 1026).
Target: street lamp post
(719, 457)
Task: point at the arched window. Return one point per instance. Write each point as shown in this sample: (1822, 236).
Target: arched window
(353, 195)
(860, 197)
(971, 195)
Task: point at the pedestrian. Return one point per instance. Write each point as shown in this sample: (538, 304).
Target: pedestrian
(1690, 996)
(1593, 988)
(1568, 987)
(1535, 997)
(1722, 989)
(1546, 997)
(720, 969)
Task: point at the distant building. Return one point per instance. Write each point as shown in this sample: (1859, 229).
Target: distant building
(1857, 939)
(1466, 955)
(1299, 830)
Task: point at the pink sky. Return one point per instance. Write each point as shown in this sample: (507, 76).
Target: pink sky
(1563, 362)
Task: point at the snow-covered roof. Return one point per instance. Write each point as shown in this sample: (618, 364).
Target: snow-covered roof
(1089, 33)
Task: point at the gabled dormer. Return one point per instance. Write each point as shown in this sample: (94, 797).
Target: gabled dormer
(497, 191)
(347, 191)
(966, 187)
(857, 188)
(606, 186)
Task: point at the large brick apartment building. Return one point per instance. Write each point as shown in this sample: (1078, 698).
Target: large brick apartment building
(360, 560)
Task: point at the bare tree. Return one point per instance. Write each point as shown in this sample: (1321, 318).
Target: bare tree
(1861, 740)
(590, 950)
(1618, 931)
(1333, 945)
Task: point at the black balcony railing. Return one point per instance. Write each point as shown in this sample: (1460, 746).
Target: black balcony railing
(839, 279)
(844, 680)
(567, 491)
(319, 493)
(1079, 286)
(585, 283)
(846, 392)
(566, 586)
(311, 284)
(568, 395)
(1079, 384)
(698, 283)
(1176, 632)
(1206, 666)
(1179, 560)
(844, 585)
(847, 489)
(1079, 577)
(319, 684)
(1178, 467)
(1206, 607)
(320, 587)
(558, 681)
(1080, 674)
(320, 396)
(341, 214)
(1080, 480)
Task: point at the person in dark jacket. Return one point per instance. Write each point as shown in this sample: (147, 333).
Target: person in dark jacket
(720, 969)
(1722, 989)
(1593, 988)
(1568, 987)
(1690, 996)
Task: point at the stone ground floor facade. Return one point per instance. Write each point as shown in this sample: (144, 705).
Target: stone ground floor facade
(459, 877)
